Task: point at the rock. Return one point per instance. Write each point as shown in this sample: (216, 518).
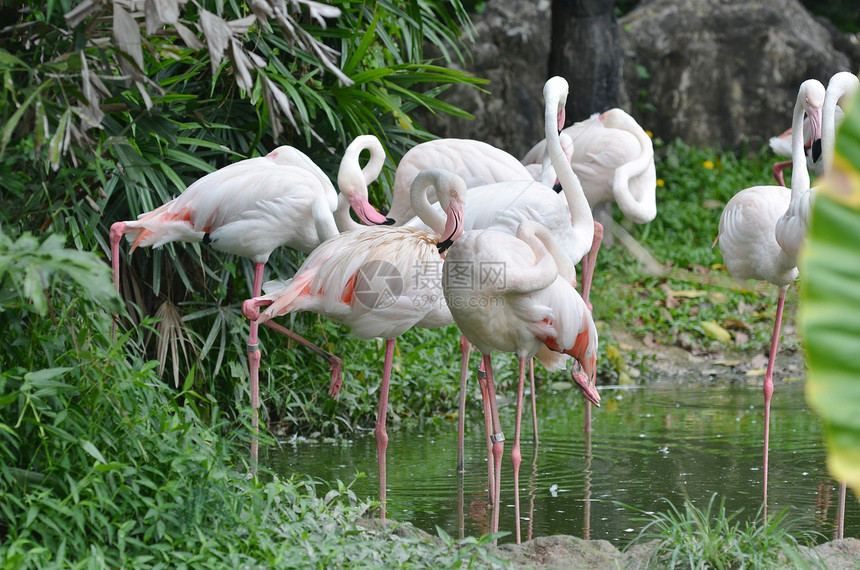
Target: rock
(720, 72)
(511, 49)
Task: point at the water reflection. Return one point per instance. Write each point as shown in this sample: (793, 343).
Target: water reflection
(647, 445)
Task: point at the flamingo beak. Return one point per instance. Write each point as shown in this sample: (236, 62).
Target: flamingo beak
(453, 225)
(367, 213)
(588, 388)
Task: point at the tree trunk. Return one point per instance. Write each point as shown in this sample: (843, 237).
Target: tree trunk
(585, 51)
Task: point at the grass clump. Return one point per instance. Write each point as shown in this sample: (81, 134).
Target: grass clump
(711, 538)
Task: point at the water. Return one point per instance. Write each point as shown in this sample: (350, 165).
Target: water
(648, 444)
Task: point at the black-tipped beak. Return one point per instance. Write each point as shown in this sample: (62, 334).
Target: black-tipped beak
(557, 187)
(443, 246)
(388, 222)
(816, 150)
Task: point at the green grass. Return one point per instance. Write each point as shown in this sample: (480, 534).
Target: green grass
(711, 538)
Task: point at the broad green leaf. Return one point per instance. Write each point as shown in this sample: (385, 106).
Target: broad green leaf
(92, 450)
(830, 312)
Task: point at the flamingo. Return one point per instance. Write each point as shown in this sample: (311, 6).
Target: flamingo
(840, 87)
(613, 157)
(529, 307)
(369, 280)
(253, 206)
(504, 205)
(781, 145)
(792, 226)
(748, 243)
(476, 162)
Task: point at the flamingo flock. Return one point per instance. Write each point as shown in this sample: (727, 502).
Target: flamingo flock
(461, 206)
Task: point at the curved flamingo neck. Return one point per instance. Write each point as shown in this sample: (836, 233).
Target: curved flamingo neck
(840, 85)
(431, 216)
(627, 171)
(354, 180)
(799, 173)
(555, 95)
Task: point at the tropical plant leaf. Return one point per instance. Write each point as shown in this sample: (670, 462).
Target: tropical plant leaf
(830, 313)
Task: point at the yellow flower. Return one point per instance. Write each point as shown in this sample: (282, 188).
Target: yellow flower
(660, 182)
(650, 134)
(708, 164)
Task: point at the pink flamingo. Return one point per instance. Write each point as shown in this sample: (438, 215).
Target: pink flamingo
(254, 206)
(527, 306)
(370, 280)
(613, 157)
(748, 241)
(840, 87)
(476, 162)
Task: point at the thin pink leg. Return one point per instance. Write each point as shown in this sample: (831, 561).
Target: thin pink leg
(534, 398)
(117, 230)
(381, 433)
(516, 454)
(251, 310)
(254, 366)
(777, 171)
(498, 440)
(768, 391)
(465, 349)
(840, 513)
(488, 425)
(589, 262)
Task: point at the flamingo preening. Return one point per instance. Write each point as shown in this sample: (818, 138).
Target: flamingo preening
(528, 307)
(748, 236)
(613, 157)
(369, 279)
(254, 206)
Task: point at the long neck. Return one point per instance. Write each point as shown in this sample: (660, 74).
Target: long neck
(799, 173)
(840, 85)
(342, 217)
(643, 203)
(352, 179)
(580, 211)
(433, 217)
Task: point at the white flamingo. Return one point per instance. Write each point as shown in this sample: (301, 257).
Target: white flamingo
(841, 87)
(530, 309)
(613, 157)
(370, 280)
(747, 238)
(254, 206)
(476, 162)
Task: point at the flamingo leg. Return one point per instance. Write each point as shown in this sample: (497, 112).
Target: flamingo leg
(381, 433)
(116, 232)
(498, 440)
(768, 391)
(840, 513)
(534, 398)
(589, 262)
(465, 348)
(488, 425)
(254, 367)
(516, 454)
(778, 167)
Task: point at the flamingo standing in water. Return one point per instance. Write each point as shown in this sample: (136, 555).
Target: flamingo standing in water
(841, 87)
(748, 239)
(528, 306)
(254, 206)
(370, 280)
(504, 205)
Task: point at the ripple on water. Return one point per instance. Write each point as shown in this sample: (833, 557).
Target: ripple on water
(646, 446)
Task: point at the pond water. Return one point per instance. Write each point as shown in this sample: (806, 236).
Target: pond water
(648, 444)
